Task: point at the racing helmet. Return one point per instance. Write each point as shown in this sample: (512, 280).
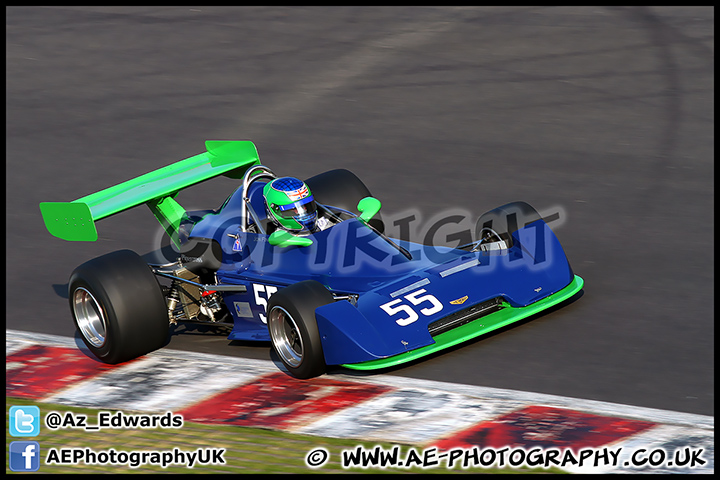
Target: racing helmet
(290, 204)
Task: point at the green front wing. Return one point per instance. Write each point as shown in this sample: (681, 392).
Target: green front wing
(75, 221)
(475, 328)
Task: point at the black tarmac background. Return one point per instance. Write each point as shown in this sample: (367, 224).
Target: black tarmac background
(603, 114)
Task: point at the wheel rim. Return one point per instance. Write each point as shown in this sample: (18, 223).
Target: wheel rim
(90, 317)
(286, 336)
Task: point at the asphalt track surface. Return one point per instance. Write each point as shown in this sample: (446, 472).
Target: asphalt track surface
(603, 115)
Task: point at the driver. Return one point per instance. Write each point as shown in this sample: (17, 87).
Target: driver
(291, 206)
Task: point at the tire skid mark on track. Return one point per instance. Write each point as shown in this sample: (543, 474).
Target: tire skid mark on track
(217, 389)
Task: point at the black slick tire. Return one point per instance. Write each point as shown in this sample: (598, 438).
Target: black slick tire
(293, 327)
(118, 307)
(342, 188)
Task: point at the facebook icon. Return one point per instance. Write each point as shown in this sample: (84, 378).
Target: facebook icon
(24, 456)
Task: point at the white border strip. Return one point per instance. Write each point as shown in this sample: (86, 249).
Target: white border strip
(602, 408)
(593, 406)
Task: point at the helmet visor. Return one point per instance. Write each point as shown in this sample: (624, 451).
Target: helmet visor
(306, 206)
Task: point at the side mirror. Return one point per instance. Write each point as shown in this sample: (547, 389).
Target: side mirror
(281, 238)
(368, 207)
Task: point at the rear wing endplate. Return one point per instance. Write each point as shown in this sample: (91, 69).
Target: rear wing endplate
(75, 220)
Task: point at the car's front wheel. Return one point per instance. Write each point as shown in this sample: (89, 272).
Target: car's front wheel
(118, 307)
(293, 328)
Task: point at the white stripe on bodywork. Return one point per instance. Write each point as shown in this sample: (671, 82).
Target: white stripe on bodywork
(410, 288)
(459, 268)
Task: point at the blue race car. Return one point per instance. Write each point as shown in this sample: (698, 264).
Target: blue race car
(344, 295)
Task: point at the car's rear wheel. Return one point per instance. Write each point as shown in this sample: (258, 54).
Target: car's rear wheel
(118, 307)
(500, 223)
(342, 188)
(293, 327)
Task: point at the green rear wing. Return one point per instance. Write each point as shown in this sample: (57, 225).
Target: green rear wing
(75, 220)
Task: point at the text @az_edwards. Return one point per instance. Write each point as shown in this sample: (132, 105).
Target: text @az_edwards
(112, 420)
